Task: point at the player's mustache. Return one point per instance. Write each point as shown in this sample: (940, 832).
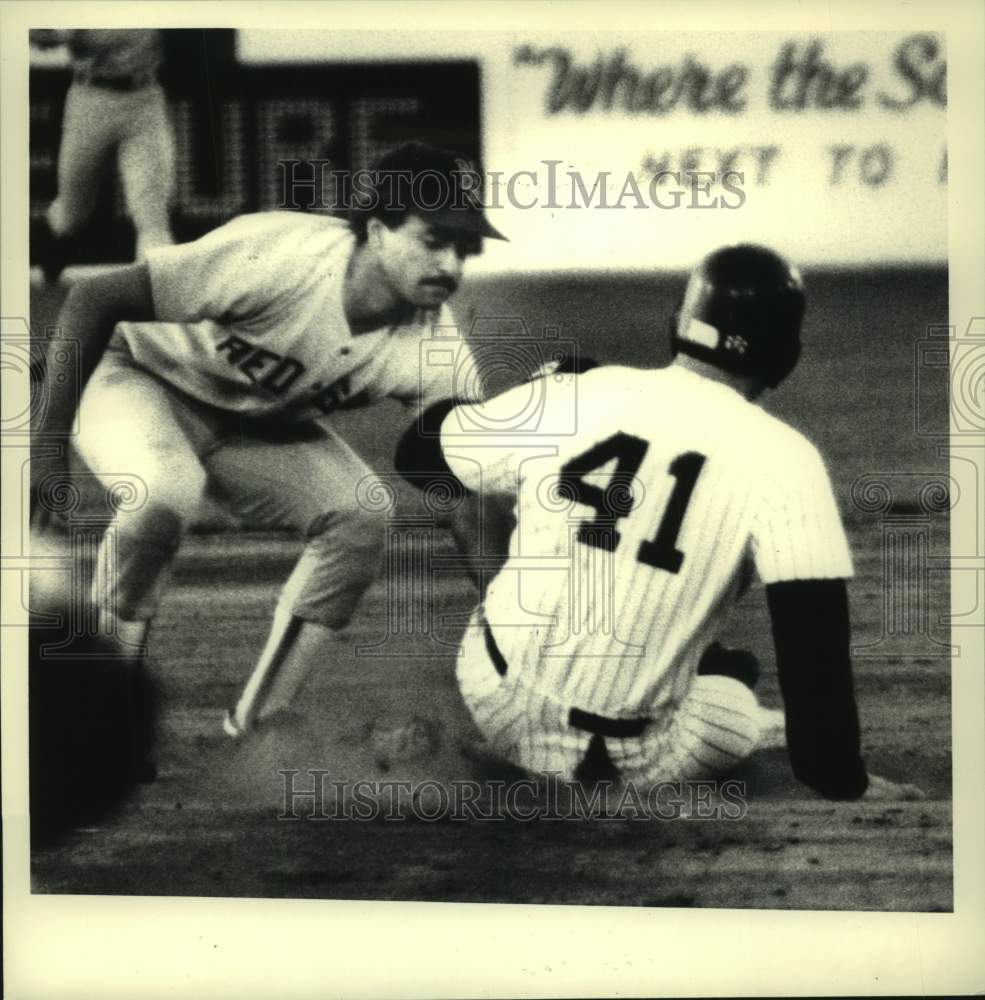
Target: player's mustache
(439, 282)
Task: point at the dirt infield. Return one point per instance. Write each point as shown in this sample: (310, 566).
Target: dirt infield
(212, 825)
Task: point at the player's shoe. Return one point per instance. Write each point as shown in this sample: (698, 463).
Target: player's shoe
(283, 720)
(147, 771)
(231, 728)
(772, 729)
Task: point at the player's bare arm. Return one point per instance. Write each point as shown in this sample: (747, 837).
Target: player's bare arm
(86, 321)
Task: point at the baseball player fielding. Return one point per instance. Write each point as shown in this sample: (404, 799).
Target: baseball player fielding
(214, 364)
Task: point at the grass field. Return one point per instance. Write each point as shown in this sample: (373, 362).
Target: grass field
(209, 826)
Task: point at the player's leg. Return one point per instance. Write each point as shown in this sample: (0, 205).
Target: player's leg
(741, 665)
(89, 132)
(480, 682)
(147, 168)
(520, 726)
(87, 139)
(136, 438)
(716, 726)
(312, 485)
(141, 442)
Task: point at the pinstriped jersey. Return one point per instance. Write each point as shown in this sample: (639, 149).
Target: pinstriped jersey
(250, 318)
(645, 501)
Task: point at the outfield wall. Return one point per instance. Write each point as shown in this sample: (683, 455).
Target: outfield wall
(603, 151)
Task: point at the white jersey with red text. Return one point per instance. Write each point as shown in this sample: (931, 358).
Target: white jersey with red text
(250, 318)
(645, 499)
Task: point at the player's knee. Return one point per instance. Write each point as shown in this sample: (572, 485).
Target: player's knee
(67, 219)
(726, 718)
(342, 559)
(173, 502)
(367, 542)
(159, 531)
(358, 532)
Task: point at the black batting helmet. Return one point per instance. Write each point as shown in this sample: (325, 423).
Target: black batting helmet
(742, 311)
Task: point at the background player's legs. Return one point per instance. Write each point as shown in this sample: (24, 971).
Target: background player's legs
(717, 725)
(147, 157)
(311, 485)
(151, 451)
(89, 133)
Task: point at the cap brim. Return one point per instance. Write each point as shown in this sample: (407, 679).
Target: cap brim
(464, 220)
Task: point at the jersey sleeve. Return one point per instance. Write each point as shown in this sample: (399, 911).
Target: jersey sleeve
(524, 431)
(231, 273)
(440, 366)
(797, 533)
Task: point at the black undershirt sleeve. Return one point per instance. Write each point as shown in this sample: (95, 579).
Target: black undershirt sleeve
(811, 632)
(419, 458)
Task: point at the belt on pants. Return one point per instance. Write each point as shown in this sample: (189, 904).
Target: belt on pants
(588, 722)
(121, 84)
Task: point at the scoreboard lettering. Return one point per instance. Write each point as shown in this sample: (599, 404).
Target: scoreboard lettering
(259, 138)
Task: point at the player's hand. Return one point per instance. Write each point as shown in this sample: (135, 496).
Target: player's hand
(884, 790)
(567, 364)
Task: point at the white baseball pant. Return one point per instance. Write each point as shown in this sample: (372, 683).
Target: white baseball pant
(135, 424)
(714, 727)
(98, 121)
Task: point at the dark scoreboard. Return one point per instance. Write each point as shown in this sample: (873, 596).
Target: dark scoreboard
(261, 137)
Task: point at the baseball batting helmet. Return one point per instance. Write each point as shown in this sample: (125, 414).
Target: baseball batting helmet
(742, 311)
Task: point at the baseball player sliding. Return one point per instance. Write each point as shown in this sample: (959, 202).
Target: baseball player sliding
(212, 364)
(114, 103)
(644, 499)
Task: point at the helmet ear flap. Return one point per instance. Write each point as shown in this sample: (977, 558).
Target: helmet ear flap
(785, 360)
